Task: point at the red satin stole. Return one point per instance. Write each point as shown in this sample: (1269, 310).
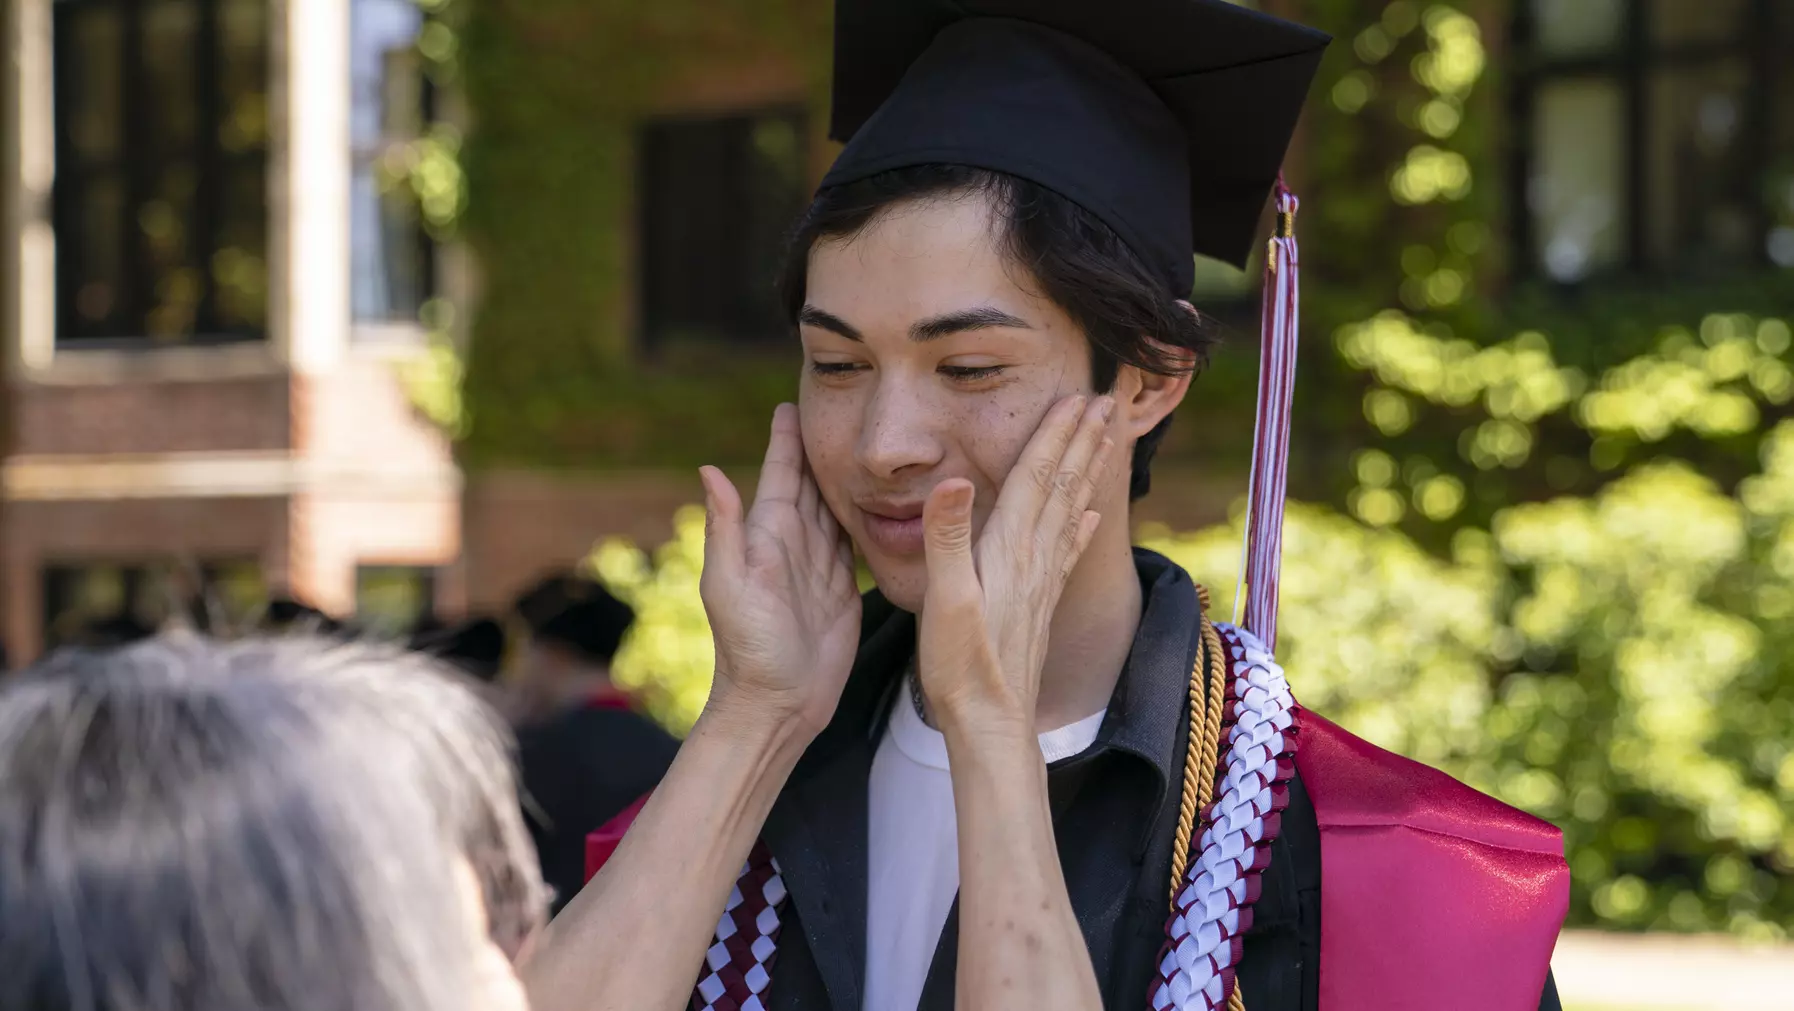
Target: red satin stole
(1432, 895)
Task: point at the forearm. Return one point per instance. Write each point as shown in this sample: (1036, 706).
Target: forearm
(634, 938)
(1019, 942)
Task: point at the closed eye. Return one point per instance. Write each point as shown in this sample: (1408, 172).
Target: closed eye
(835, 368)
(970, 373)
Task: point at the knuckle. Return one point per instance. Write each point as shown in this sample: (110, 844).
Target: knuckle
(1066, 484)
(1044, 472)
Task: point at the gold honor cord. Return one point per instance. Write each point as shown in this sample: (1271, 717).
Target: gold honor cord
(1206, 708)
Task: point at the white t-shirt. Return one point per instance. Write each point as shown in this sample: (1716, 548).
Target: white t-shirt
(913, 856)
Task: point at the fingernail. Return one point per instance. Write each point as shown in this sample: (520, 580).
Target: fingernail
(1106, 406)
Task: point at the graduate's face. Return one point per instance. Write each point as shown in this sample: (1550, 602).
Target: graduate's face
(926, 356)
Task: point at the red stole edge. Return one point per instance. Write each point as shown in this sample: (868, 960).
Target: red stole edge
(603, 841)
(1432, 895)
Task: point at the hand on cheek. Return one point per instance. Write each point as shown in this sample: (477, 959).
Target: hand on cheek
(989, 602)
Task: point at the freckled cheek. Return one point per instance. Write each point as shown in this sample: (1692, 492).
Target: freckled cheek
(831, 425)
(996, 431)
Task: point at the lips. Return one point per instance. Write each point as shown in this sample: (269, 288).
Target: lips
(893, 528)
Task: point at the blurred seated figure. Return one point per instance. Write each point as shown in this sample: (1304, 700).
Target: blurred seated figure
(586, 754)
(277, 824)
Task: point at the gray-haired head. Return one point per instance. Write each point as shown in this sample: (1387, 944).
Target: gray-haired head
(274, 824)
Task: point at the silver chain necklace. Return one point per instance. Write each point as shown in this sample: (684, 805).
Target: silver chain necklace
(915, 694)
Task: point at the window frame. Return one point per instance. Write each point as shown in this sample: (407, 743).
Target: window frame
(134, 165)
(1630, 65)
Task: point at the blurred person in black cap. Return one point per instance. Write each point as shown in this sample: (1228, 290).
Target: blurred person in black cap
(586, 753)
(476, 647)
(991, 293)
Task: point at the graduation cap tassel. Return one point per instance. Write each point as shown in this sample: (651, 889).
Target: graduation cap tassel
(1270, 439)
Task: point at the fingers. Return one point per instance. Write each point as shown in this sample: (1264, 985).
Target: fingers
(947, 545)
(723, 543)
(1075, 476)
(1075, 481)
(782, 473)
(1025, 490)
(1087, 525)
(808, 498)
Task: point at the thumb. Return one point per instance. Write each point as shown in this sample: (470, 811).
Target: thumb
(947, 541)
(723, 538)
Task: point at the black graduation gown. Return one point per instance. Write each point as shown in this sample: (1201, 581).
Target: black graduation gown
(580, 769)
(1115, 811)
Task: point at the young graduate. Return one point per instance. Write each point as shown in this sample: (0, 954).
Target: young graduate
(1012, 224)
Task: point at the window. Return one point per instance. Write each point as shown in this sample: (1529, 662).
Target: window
(717, 196)
(393, 600)
(1656, 135)
(160, 200)
(392, 259)
(102, 602)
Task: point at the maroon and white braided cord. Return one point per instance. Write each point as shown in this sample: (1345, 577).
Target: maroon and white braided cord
(1212, 913)
(738, 967)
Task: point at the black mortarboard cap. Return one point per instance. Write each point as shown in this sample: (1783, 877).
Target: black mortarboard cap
(578, 613)
(1167, 119)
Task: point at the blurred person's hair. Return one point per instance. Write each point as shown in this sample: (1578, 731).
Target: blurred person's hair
(1076, 261)
(273, 824)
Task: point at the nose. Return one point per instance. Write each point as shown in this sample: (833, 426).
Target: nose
(899, 431)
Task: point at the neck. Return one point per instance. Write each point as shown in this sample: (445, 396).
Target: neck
(1093, 630)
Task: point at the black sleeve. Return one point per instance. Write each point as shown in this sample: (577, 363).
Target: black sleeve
(1548, 1000)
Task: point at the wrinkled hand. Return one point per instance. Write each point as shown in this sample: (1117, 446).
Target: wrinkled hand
(779, 589)
(989, 606)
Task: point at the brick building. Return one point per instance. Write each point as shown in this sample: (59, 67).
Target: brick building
(209, 291)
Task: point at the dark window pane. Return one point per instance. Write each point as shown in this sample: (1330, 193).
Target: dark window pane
(1702, 188)
(243, 75)
(160, 201)
(717, 198)
(175, 284)
(1686, 22)
(1577, 190)
(1578, 27)
(93, 80)
(97, 280)
(239, 266)
(169, 52)
(1779, 188)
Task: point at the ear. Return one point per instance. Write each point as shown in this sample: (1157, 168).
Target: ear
(1143, 399)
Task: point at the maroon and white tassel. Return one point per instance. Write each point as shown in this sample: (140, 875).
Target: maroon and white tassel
(1270, 439)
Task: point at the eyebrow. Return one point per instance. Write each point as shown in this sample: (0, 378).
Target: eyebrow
(982, 317)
